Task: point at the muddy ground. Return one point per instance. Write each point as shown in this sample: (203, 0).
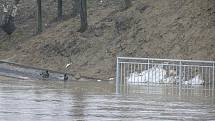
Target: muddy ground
(182, 29)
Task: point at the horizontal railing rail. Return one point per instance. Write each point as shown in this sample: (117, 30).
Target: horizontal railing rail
(180, 73)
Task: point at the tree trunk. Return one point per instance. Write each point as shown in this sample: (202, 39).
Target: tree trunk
(17, 2)
(8, 17)
(39, 16)
(60, 9)
(127, 3)
(75, 8)
(83, 15)
(14, 9)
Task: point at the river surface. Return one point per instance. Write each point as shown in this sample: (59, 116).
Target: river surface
(28, 100)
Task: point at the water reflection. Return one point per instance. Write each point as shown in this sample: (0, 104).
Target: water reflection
(194, 93)
(62, 101)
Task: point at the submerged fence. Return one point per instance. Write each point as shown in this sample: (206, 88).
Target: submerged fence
(183, 74)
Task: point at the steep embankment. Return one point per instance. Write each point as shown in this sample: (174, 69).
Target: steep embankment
(182, 29)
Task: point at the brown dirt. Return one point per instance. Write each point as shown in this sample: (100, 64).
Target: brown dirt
(182, 29)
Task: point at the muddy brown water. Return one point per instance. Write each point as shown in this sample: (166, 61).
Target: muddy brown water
(28, 100)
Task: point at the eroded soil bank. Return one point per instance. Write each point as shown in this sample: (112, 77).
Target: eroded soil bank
(182, 29)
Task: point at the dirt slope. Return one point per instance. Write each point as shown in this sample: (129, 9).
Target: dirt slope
(182, 29)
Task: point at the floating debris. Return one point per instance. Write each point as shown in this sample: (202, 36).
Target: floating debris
(159, 75)
(111, 79)
(197, 80)
(153, 75)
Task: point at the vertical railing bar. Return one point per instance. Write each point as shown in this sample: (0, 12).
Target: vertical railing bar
(199, 73)
(172, 68)
(165, 84)
(129, 75)
(176, 68)
(132, 75)
(186, 79)
(191, 74)
(213, 81)
(124, 74)
(195, 78)
(195, 74)
(202, 74)
(188, 70)
(148, 77)
(134, 71)
(173, 86)
(180, 82)
(139, 78)
(169, 85)
(191, 87)
(121, 76)
(184, 76)
(145, 68)
(206, 70)
(162, 74)
(141, 70)
(117, 76)
(213, 76)
(138, 71)
(209, 80)
(155, 74)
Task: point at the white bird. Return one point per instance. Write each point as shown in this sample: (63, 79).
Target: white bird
(69, 64)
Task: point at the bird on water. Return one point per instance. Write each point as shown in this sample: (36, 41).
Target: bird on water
(45, 74)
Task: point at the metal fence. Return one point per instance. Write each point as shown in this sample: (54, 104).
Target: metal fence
(148, 72)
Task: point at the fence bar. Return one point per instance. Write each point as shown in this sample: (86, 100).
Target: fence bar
(117, 77)
(164, 64)
(213, 75)
(148, 77)
(179, 74)
(174, 60)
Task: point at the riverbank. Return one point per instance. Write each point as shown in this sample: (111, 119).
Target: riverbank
(150, 28)
(14, 70)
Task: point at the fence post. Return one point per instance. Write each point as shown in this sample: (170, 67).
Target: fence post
(148, 76)
(117, 77)
(180, 79)
(213, 74)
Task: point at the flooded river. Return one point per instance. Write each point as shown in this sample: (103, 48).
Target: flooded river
(25, 100)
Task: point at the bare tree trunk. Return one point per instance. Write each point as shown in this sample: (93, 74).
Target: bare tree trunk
(127, 3)
(14, 9)
(60, 9)
(75, 8)
(83, 15)
(4, 13)
(39, 16)
(17, 2)
(8, 17)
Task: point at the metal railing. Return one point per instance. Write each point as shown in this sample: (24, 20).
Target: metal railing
(183, 74)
